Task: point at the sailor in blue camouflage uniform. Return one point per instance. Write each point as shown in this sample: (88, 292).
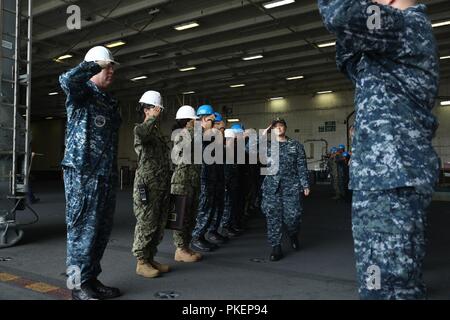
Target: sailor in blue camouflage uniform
(213, 234)
(208, 185)
(90, 169)
(394, 167)
(281, 192)
(232, 198)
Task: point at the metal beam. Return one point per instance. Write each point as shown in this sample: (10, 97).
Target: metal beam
(198, 51)
(227, 47)
(165, 23)
(211, 50)
(127, 9)
(278, 59)
(49, 6)
(154, 42)
(211, 81)
(220, 57)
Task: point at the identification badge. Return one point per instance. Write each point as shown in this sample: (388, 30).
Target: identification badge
(100, 121)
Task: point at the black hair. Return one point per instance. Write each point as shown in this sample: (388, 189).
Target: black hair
(140, 108)
(180, 124)
(277, 121)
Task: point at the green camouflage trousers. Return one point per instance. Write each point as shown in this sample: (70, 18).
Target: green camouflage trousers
(151, 219)
(389, 237)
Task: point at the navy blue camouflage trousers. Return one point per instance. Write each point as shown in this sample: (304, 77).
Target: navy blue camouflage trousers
(208, 200)
(282, 207)
(219, 213)
(90, 206)
(232, 206)
(389, 238)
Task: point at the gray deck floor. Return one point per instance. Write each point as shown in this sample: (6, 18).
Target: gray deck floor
(323, 269)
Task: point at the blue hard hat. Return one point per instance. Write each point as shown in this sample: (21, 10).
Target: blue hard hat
(218, 116)
(346, 154)
(333, 150)
(239, 128)
(341, 147)
(205, 110)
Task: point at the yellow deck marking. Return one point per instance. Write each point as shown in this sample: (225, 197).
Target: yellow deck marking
(41, 287)
(7, 277)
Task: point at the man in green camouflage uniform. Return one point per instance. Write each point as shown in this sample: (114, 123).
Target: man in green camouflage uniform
(151, 187)
(186, 182)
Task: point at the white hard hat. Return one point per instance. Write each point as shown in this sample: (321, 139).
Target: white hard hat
(229, 133)
(186, 112)
(100, 53)
(152, 98)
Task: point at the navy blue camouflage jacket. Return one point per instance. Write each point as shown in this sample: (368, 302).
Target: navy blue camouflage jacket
(292, 168)
(395, 70)
(93, 122)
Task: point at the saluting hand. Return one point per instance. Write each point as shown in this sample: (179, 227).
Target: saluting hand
(267, 129)
(152, 113)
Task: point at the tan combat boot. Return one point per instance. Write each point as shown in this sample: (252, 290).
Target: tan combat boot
(146, 270)
(163, 268)
(184, 255)
(197, 254)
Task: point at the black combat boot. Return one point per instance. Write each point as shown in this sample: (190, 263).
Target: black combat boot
(215, 238)
(200, 245)
(276, 254)
(228, 233)
(86, 292)
(105, 292)
(221, 237)
(238, 229)
(294, 242)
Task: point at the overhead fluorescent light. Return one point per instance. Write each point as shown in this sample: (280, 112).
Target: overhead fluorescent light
(327, 44)
(276, 98)
(53, 93)
(66, 56)
(277, 3)
(233, 120)
(49, 118)
(154, 11)
(237, 85)
(441, 24)
(295, 78)
(115, 44)
(325, 92)
(187, 69)
(259, 56)
(185, 26)
(445, 57)
(188, 92)
(139, 78)
(445, 103)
